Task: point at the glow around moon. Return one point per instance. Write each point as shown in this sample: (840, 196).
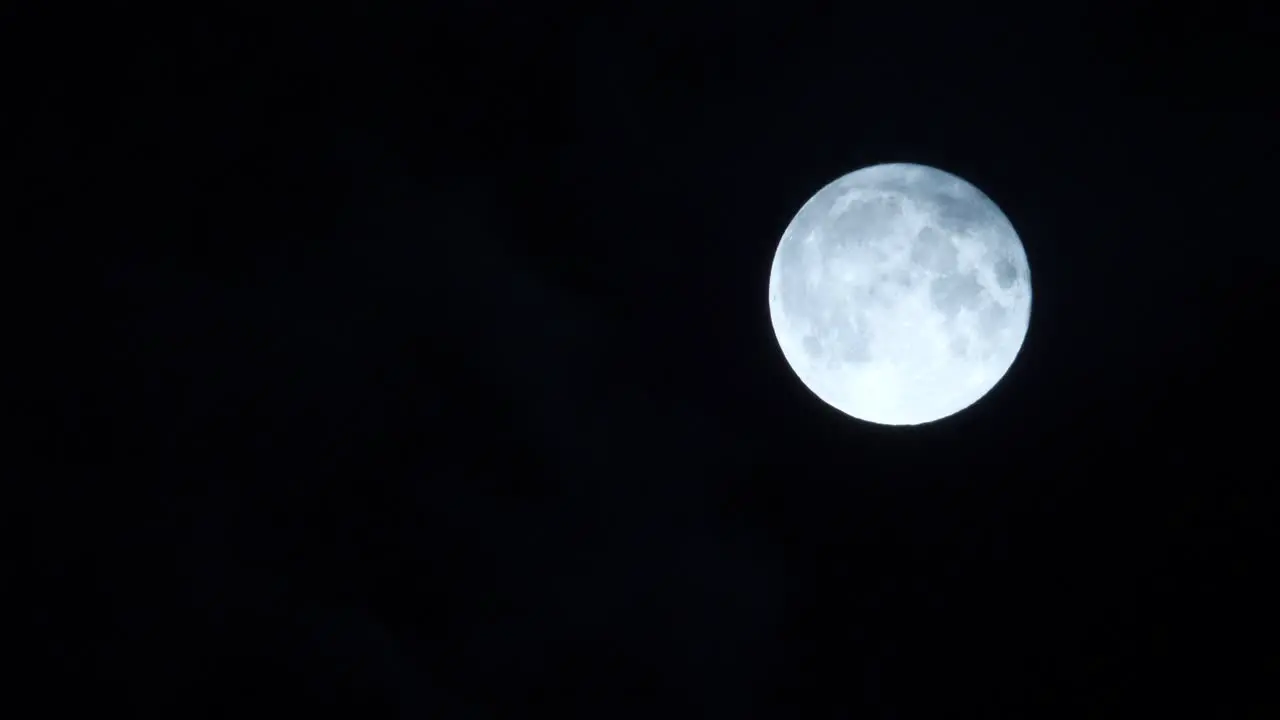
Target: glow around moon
(900, 294)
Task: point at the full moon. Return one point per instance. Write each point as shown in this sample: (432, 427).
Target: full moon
(900, 294)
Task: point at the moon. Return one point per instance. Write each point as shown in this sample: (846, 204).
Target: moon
(900, 294)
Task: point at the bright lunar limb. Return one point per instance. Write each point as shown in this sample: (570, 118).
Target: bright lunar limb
(900, 294)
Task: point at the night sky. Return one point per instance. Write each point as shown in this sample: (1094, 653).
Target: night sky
(416, 363)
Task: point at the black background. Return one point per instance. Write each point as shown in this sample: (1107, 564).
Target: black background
(415, 362)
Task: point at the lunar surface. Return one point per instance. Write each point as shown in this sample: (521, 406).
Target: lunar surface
(900, 294)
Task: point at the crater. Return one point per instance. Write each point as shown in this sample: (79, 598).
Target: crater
(1006, 273)
(853, 344)
(993, 319)
(895, 280)
(949, 293)
(934, 251)
(864, 220)
(811, 346)
(844, 340)
(963, 211)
